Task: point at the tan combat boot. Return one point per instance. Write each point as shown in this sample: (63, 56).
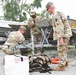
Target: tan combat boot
(67, 63)
(59, 68)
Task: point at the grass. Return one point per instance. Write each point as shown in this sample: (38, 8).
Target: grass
(55, 48)
(71, 47)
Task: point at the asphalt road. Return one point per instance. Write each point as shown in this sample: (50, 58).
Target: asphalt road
(70, 70)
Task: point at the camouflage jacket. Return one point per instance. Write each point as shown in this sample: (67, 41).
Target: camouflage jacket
(14, 38)
(32, 25)
(61, 26)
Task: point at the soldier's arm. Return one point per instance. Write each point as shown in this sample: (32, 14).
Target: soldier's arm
(64, 20)
(22, 39)
(67, 28)
(30, 22)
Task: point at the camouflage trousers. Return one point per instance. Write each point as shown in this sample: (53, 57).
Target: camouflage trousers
(37, 38)
(62, 51)
(8, 50)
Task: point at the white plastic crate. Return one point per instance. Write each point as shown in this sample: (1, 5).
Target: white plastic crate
(16, 65)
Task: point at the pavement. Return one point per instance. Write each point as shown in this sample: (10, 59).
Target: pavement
(1, 63)
(70, 70)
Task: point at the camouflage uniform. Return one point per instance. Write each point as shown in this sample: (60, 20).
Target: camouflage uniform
(14, 38)
(34, 29)
(62, 29)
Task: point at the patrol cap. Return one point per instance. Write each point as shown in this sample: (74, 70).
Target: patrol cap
(33, 13)
(22, 27)
(48, 4)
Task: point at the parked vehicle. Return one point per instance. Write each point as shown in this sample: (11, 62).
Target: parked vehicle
(46, 30)
(73, 27)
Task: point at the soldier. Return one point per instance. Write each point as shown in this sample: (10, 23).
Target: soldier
(32, 25)
(62, 33)
(14, 38)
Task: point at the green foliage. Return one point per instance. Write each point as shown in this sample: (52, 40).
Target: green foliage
(15, 11)
(11, 11)
(36, 3)
(28, 7)
(45, 14)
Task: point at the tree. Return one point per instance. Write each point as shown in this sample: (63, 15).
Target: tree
(12, 10)
(15, 10)
(45, 14)
(36, 3)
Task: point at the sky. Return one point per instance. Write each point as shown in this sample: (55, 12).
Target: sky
(68, 7)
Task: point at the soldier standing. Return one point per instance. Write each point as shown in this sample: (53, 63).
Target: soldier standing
(33, 27)
(14, 38)
(62, 33)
